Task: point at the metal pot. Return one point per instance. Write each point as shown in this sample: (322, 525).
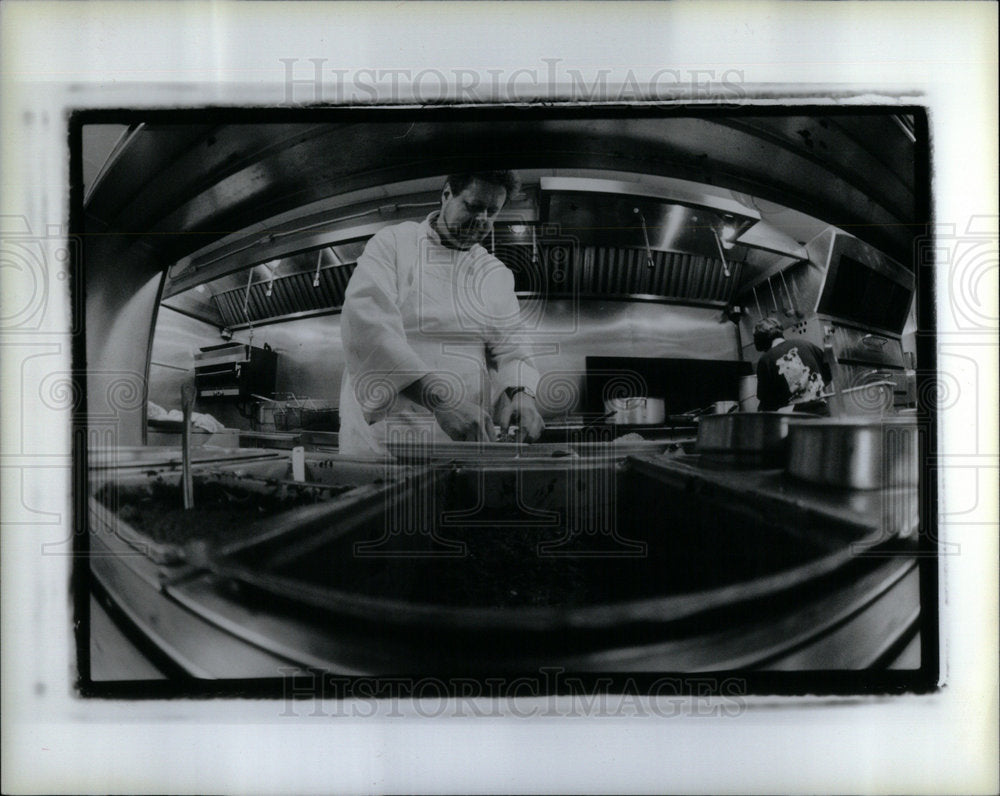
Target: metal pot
(635, 411)
(855, 453)
(746, 433)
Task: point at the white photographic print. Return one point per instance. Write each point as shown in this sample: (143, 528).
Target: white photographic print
(631, 391)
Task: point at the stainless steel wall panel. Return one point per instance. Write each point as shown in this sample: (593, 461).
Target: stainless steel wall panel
(563, 333)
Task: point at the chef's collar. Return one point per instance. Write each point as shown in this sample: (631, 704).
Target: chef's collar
(434, 235)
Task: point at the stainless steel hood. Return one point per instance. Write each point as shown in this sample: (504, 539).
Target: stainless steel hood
(617, 213)
(562, 237)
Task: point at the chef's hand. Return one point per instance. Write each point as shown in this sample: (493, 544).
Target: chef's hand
(465, 421)
(522, 412)
(459, 418)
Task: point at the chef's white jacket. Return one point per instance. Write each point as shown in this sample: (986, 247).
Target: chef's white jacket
(414, 306)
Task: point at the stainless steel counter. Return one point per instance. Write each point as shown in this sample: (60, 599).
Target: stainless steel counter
(883, 513)
(854, 600)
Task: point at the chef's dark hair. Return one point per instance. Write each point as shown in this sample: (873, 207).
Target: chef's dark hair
(765, 332)
(505, 179)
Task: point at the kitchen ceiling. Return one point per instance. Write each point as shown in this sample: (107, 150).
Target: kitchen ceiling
(176, 188)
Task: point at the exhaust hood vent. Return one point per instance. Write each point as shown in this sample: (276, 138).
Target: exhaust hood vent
(289, 296)
(549, 272)
(564, 269)
(677, 276)
(546, 262)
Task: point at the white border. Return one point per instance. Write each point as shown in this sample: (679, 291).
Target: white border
(59, 56)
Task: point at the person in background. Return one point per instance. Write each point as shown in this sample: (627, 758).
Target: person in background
(434, 346)
(789, 372)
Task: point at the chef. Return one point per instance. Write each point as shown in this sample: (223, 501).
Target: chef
(434, 344)
(790, 373)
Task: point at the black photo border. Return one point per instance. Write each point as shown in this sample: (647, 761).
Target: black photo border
(718, 684)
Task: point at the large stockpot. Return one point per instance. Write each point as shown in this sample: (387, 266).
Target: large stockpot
(855, 453)
(744, 434)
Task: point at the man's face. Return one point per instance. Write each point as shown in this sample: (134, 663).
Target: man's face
(468, 217)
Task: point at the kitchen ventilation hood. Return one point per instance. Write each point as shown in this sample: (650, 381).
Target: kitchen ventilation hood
(629, 214)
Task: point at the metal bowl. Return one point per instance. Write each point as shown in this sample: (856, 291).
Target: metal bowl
(855, 453)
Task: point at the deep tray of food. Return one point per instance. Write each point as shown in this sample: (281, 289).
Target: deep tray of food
(548, 536)
(222, 511)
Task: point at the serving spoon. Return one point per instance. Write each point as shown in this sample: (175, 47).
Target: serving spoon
(188, 393)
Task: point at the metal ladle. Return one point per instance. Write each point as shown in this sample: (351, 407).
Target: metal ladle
(188, 394)
(645, 235)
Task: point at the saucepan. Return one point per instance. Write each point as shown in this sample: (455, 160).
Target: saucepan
(747, 433)
(635, 411)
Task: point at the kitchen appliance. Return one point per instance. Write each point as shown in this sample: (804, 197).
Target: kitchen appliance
(865, 287)
(865, 358)
(856, 301)
(306, 414)
(234, 372)
(874, 399)
(294, 414)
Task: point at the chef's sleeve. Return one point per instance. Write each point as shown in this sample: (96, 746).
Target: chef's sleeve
(507, 340)
(379, 359)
